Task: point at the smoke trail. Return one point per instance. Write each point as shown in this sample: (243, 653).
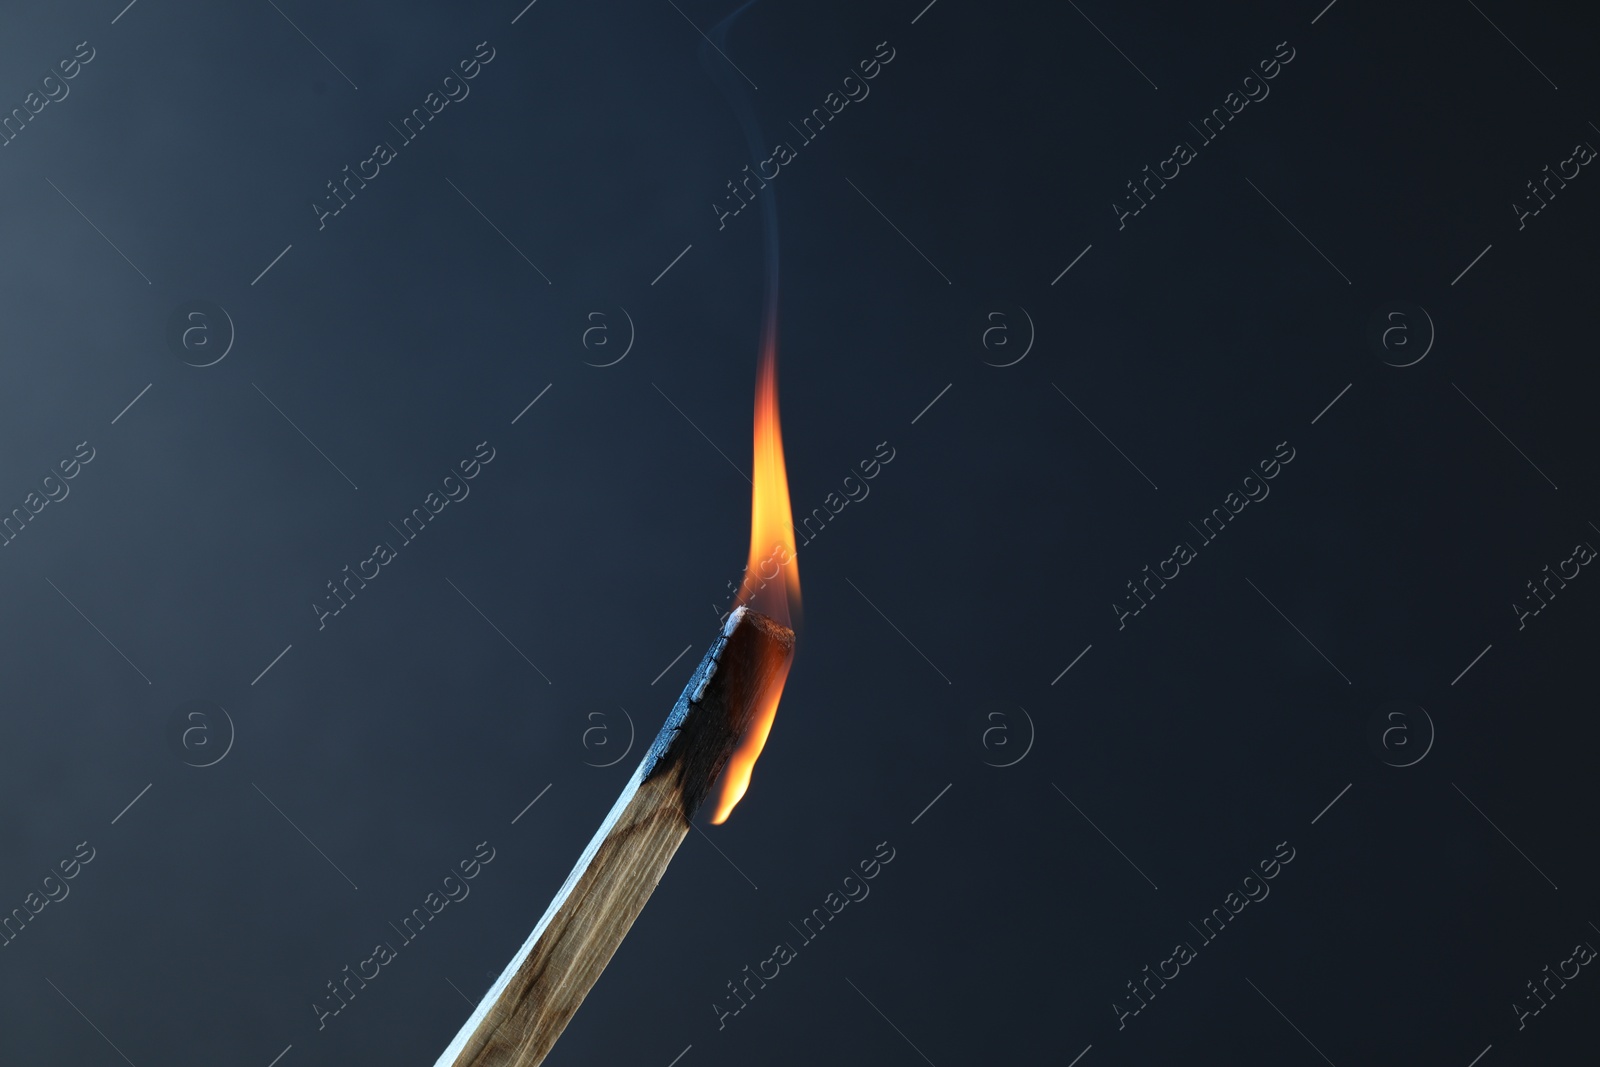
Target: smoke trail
(780, 598)
(738, 97)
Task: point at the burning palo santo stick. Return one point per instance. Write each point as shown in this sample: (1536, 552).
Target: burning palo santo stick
(721, 721)
(537, 994)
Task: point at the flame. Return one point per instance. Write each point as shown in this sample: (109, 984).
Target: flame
(772, 574)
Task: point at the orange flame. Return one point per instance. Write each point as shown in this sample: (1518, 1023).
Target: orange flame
(772, 574)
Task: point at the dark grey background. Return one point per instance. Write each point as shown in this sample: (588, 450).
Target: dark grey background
(601, 539)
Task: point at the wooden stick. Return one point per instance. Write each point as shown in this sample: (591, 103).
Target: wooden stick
(539, 991)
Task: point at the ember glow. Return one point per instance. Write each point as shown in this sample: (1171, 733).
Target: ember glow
(772, 574)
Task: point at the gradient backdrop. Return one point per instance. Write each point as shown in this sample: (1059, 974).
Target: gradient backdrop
(1351, 271)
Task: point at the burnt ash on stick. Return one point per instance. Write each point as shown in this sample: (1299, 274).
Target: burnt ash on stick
(540, 990)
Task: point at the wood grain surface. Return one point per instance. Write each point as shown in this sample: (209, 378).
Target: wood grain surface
(527, 1008)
